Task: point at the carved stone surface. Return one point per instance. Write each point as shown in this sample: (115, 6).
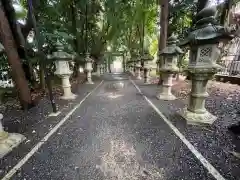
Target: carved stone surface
(8, 141)
(197, 118)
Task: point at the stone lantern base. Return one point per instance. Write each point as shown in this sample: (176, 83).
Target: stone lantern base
(67, 92)
(8, 141)
(165, 91)
(196, 112)
(198, 119)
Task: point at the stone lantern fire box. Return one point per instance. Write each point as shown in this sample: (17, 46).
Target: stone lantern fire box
(204, 52)
(170, 56)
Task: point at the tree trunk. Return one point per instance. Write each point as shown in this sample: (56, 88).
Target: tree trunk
(14, 61)
(163, 31)
(42, 76)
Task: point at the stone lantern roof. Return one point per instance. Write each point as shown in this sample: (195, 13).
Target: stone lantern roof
(60, 54)
(146, 56)
(207, 30)
(172, 48)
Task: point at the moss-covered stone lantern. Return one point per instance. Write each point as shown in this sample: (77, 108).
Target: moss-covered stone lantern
(170, 56)
(146, 58)
(203, 42)
(63, 71)
(89, 68)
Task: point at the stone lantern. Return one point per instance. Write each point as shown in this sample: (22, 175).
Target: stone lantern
(204, 52)
(146, 58)
(8, 141)
(89, 68)
(138, 67)
(98, 69)
(170, 56)
(63, 71)
(101, 68)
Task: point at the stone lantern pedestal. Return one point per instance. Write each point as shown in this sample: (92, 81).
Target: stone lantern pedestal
(196, 112)
(8, 141)
(88, 69)
(169, 67)
(204, 52)
(166, 87)
(64, 72)
(146, 75)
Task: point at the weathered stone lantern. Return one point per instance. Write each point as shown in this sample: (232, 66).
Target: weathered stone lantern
(170, 56)
(8, 141)
(146, 58)
(138, 67)
(89, 68)
(204, 52)
(102, 69)
(63, 71)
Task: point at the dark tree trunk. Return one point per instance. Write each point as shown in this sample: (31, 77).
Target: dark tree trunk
(18, 74)
(76, 72)
(163, 31)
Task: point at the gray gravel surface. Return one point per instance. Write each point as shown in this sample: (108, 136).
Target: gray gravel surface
(214, 141)
(114, 135)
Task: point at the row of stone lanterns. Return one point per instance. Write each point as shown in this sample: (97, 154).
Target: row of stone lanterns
(204, 52)
(135, 65)
(203, 43)
(8, 141)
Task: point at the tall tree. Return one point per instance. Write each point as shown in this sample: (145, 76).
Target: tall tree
(18, 75)
(164, 29)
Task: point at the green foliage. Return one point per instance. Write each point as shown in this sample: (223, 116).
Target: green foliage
(93, 25)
